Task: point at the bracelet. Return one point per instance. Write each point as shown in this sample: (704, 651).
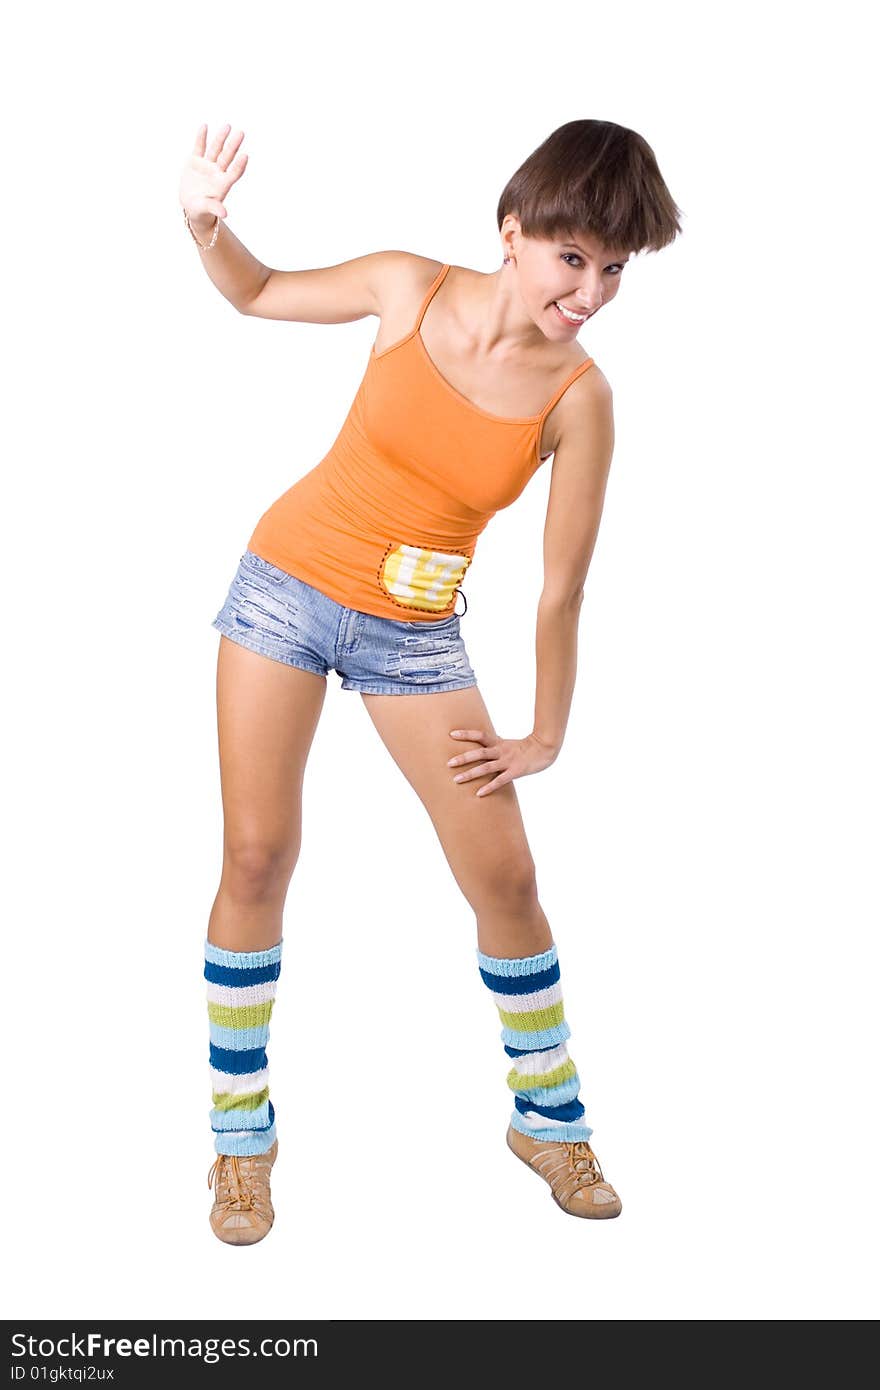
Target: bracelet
(195, 238)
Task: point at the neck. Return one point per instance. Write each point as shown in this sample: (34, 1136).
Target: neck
(505, 329)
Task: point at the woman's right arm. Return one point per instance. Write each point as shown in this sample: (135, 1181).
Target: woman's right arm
(331, 294)
(238, 275)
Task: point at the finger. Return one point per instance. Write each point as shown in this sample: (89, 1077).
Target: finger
(230, 150)
(234, 172)
(201, 137)
(472, 734)
(498, 782)
(217, 143)
(474, 772)
(472, 756)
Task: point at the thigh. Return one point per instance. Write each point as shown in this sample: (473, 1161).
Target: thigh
(267, 713)
(483, 838)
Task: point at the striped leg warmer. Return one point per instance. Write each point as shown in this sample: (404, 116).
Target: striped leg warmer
(241, 991)
(543, 1077)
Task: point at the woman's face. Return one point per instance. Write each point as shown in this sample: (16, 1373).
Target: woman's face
(580, 274)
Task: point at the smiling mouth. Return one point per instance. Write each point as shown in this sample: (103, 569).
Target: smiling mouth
(572, 315)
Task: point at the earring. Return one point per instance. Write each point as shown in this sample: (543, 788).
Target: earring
(506, 260)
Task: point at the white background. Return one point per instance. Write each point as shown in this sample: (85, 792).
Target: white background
(704, 843)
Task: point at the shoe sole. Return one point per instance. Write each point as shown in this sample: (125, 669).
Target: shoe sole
(594, 1215)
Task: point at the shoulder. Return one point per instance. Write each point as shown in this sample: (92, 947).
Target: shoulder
(401, 277)
(588, 404)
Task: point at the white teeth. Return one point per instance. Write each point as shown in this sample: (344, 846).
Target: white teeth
(575, 318)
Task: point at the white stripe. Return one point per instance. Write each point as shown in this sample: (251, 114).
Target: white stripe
(225, 1083)
(524, 1003)
(441, 577)
(436, 570)
(536, 1062)
(403, 584)
(240, 998)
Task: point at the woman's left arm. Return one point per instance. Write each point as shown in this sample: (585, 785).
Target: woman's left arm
(581, 464)
(574, 509)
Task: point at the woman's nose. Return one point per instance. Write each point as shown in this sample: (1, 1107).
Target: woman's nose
(589, 300)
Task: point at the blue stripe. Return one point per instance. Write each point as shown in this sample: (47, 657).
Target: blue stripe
(521, 984)
(516, 966)
(256, 1142)
(237, 1063)
(225, 975)
(551, 1095)
(241, 1119)
(242, 960)
(255, 1129)
(521, 1051)
(238, 1039)
(573, 1110)
(552, 1134)
(540, 1041)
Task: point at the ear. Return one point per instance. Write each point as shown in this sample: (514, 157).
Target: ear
(510, 232)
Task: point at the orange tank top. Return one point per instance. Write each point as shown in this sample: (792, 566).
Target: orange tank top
(387, 522)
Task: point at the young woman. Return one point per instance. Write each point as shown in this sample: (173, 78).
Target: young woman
(473, 381)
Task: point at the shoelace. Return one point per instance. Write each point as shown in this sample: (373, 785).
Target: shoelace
(228, 1180)
(580, 1154)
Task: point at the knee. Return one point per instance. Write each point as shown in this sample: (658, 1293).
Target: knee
(256, 871)
(513, 887)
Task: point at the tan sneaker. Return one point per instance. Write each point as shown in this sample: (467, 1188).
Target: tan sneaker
(573, 1172)
(242, 1213)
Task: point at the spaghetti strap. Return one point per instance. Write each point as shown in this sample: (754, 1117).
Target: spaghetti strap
(572, 376)
(434, 287)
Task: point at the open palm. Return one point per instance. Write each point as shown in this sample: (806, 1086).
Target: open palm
(210, 172)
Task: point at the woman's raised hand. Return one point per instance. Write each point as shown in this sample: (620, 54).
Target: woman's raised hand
(209, 173)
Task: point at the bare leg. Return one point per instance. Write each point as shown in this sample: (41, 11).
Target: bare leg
(484, 839)
(485, 845)
(267, 714)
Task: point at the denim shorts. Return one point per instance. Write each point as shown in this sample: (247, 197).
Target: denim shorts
(274, 613)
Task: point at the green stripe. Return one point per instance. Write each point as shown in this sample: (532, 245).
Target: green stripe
(517, 1082)
(251, 1016)
(250, 1101)
(534, 1022)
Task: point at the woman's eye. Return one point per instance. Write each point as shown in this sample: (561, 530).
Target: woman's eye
(570, 256)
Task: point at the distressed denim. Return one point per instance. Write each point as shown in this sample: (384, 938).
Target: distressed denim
(281, 617)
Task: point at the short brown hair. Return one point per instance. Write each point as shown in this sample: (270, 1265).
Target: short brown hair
(594, 177)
